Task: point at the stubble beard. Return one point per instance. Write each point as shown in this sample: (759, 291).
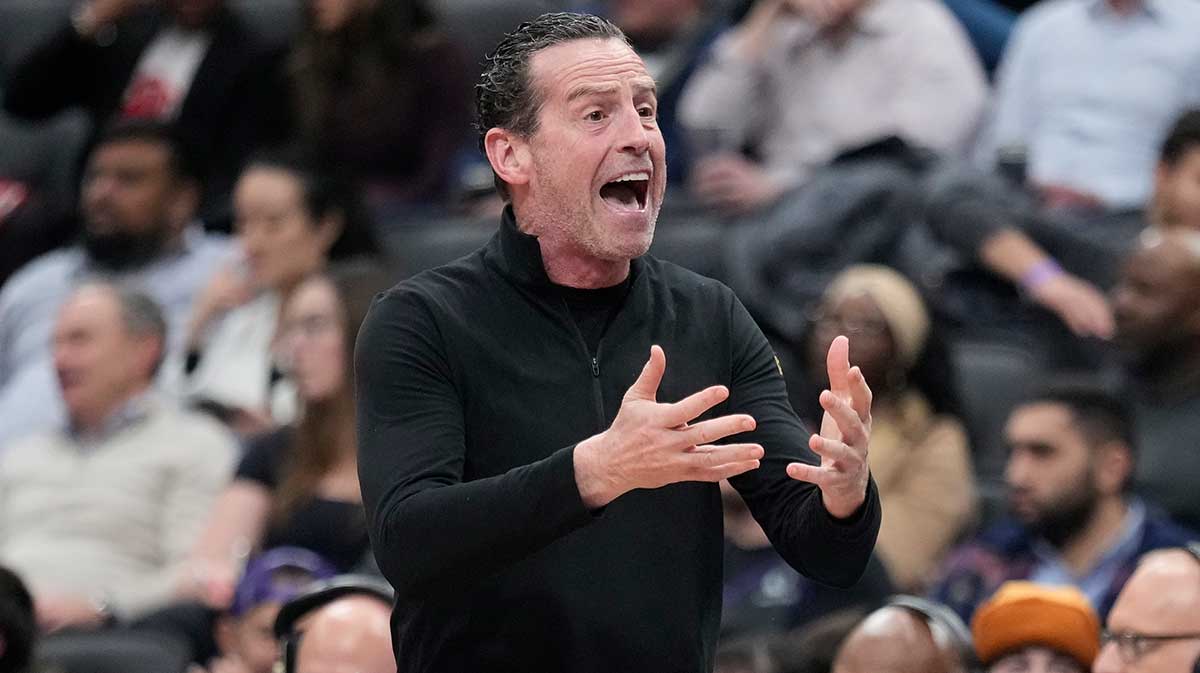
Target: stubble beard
(1060, 522)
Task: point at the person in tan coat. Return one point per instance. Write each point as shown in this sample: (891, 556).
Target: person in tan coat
(920, 459)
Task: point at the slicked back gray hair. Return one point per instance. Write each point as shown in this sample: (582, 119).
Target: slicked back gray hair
(505, 97)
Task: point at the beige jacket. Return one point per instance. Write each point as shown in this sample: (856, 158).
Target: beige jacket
(922, 465)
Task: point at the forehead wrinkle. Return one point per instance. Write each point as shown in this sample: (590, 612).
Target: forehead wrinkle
(592, 70)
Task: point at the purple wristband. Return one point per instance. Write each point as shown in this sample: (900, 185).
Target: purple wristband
(1039, 273)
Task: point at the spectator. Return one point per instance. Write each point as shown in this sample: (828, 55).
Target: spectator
(1155, 624)
(1070, 465)
(380, 94)
(763, 595)
(340, 626)
(1060, 262)
(1086, 90)
(190, 63)
(291, 219)
(97, 515)
(18, 627)
(138, 208)
(920, 459)
(909, 636)
(1157, 307)
(1027, 628)
(823, 82)
(298, 486)
(245, 633)
(672, 37)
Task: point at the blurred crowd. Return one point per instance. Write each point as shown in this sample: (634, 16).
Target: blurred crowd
(998, 202)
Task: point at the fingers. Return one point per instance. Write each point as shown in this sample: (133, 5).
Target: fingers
(810, 473)
(849, 423)
(693, 405)
(837, 364)
(646, 385)
(721, 461)
(707, 432)
(838, 453)
(860, 395)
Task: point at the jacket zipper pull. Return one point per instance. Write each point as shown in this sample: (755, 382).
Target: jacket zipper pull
(595, 367)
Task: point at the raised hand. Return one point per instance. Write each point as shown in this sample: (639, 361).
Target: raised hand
(845, 434)
(652, 444)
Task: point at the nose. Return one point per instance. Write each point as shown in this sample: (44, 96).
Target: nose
(1016, 470)
(98, 187)
(635, 137)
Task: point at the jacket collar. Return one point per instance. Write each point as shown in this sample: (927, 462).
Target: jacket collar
(518, 256)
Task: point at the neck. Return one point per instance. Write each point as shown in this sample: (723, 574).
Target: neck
(91, 421)
(1086, 547)
(1125, 7)
(1172, 372)
(574, 268)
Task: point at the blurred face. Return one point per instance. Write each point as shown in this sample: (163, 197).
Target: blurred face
(1156, 302)
(1036, 659)
(194, 13)
(251, 639)
(1162, 598)
(98, 362)
(872, 347)
(332, 15)
(1177, 192)
(598, 158)
(281, 241)
(1051, 487)
(131, 202)
(314, 340)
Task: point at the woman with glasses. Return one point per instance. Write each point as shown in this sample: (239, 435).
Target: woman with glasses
(919, 458)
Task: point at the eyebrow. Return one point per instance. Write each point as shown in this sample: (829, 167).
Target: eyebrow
(639, 87)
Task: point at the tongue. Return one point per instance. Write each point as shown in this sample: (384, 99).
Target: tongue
(619, 194)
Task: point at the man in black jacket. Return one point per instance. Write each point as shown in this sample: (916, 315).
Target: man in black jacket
(192, 63)
(534, 511)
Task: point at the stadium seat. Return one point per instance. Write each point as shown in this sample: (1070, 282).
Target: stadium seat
(113, 652)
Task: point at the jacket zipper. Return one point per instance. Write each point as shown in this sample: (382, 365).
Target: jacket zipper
(594, 361)
(597, 389)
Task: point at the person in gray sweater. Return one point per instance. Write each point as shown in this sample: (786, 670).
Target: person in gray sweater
(97, 515)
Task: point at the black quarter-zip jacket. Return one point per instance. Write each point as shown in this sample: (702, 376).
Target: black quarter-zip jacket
(474, 384)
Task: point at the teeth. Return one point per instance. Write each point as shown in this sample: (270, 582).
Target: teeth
(633, 177)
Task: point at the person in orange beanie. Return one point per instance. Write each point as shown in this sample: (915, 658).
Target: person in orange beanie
(1035, 628)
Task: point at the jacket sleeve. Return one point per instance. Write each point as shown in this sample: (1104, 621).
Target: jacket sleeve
(791, 512)
(59, 73)
(429, 527)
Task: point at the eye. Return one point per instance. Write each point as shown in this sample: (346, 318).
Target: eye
(646, 111)
(595, 116)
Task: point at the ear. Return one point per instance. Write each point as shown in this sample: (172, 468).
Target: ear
(150, 350)
(329, 228)
(1114, 467)
(509, 155)
(184, 203)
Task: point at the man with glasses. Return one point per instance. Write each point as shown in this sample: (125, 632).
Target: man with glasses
(1155, 624)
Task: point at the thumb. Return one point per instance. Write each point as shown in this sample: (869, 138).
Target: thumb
(646, 385)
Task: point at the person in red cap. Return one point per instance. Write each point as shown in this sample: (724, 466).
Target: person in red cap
(1032, 628)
